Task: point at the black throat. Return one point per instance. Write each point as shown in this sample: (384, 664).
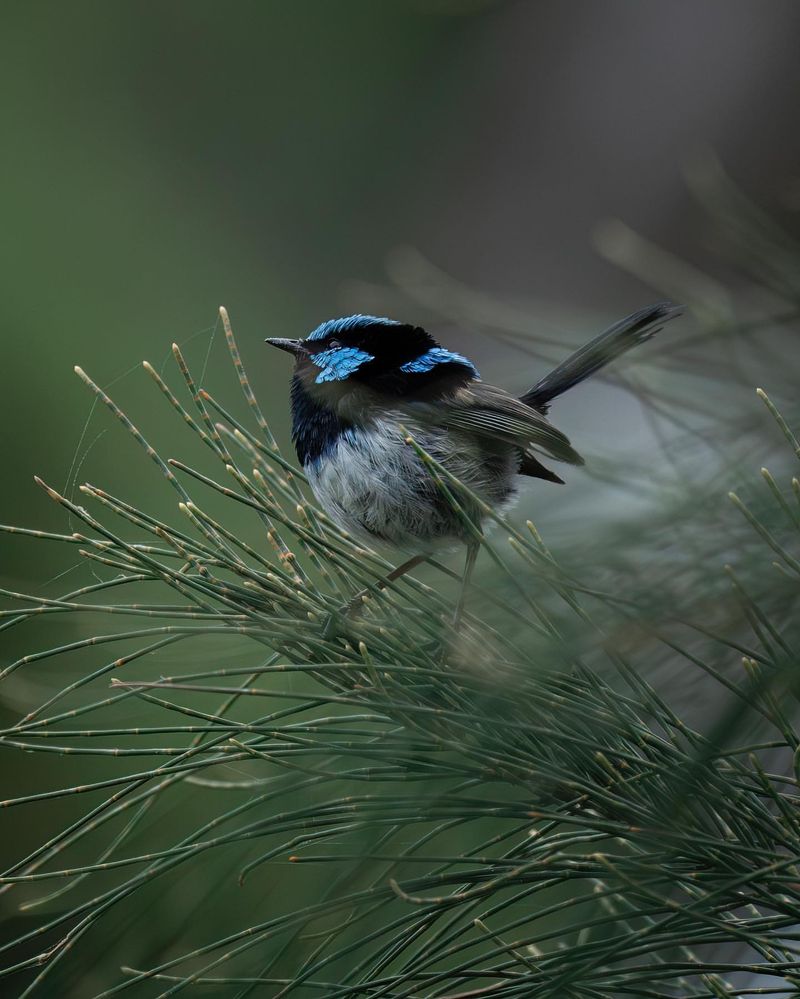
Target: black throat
(315, 426)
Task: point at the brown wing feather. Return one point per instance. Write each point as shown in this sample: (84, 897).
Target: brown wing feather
(490, 412)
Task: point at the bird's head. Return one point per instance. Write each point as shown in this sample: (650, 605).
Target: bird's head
(367, 352)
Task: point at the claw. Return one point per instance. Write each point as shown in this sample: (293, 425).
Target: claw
(349, 611)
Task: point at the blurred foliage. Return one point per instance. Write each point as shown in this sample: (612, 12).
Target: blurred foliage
(163, 159)
(589, 790)
(592, 794)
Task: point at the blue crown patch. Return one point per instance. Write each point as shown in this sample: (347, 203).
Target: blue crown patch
(333, 326)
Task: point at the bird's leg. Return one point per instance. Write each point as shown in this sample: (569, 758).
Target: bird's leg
(473, 547)
(354, 604)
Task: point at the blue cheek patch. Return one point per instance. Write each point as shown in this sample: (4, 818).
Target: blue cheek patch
(340, 363)
(437, 355)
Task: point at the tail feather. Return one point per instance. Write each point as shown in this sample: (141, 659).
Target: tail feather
(627, 333)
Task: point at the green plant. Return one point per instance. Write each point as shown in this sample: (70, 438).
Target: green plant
(380, 806)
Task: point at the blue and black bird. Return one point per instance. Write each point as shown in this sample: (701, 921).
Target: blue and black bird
(362, 384)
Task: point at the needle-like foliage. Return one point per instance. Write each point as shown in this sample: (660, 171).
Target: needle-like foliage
(285, 801)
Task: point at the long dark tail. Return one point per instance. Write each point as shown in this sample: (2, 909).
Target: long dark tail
(597, 353)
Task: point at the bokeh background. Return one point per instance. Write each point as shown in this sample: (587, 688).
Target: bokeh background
(161, 159)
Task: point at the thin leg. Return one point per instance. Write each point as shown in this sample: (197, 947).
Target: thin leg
(354, 604)
(473, 547)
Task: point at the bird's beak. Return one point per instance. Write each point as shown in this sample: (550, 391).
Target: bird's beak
(293, 346)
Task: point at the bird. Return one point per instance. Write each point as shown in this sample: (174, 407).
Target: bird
(366, 389)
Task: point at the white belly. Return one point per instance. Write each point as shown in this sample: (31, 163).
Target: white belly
(375, 486)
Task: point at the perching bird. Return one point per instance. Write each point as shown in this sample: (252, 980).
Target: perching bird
(362, 384)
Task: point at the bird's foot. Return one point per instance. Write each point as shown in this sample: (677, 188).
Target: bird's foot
(348, 611)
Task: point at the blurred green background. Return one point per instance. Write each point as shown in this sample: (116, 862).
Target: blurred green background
(161, 159)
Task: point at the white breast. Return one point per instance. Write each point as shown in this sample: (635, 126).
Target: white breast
(375, 486)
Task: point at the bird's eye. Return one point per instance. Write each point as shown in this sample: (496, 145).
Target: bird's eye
(335, 345)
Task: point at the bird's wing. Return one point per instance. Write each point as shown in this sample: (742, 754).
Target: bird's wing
(491, 413)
